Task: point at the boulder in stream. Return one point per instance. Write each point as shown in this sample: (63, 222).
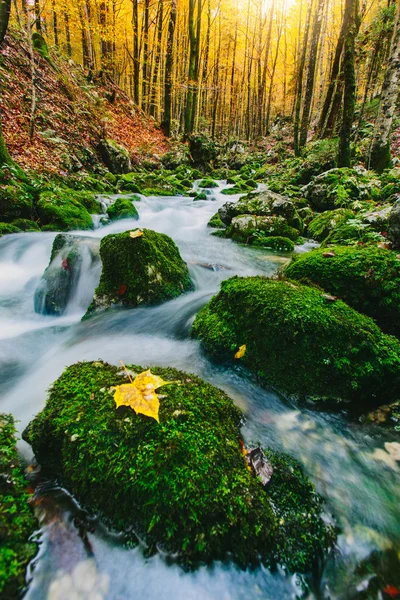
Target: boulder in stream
(69, 256)
(17, 523)
(139, 268)
(302, 341)
(182, 485)
(366, 277)
(64, 210)
(122, 208)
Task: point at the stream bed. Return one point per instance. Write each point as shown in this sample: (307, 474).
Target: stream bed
(347, 461)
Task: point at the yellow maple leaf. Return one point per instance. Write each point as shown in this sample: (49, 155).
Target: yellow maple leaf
(136, 233)
(241, 352)
(140, 394)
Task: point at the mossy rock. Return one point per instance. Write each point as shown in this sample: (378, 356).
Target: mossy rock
(262, 204)
(208, 183)
(216, 222)
(17, 523)
(281, 244)
(340, 188)
(233, 191)
(63, 211)
(324, 223)
(9, 228)
(246, 228)
(16, 202)
(122, 208)
(143, 270)
(366, 277)
(182, 484)
(200, 196)
(26, 225)
(115, 157)
(60, 279)
(300, 342)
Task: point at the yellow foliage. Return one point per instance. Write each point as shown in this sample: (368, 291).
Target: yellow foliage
(241, 352)
(140, 394)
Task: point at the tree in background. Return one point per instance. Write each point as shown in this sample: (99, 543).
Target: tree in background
(5, 7)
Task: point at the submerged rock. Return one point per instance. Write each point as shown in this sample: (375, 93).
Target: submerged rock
(70, 253)
(182, 485)
(301, 343)
(147, 269)
(366, 277)
(17, 523)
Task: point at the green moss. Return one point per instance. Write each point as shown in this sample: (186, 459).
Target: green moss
(142, 270)
(16, 200)
(181, 484)
(232, 191)
(208, 183)
(281, 244)
(63, 211)
(246, 228)
(9, 228)
(122, 208)
(300, 343)
(200, 196)
(26, 224)
(366, 277)
(324, 223)
(17, 523)
(216, 222)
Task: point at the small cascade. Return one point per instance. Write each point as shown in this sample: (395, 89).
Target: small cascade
(68, 282)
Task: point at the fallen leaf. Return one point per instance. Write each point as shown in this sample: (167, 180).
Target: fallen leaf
(241, 352)
(135, 234)
(260, 464)
(122, 290)
(65, 264)
(329, 298)
(140, 394)
(392, 591)
(328, 254)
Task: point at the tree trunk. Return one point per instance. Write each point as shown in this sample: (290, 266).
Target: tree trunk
(154, 105)
(67, 33)
(55, 24)
(380, 157)
(349, 95)
(169, 64)
(312, 63)
(145, 66)
(136, 57)
(5, 7)
(189, 109)
(299, 82)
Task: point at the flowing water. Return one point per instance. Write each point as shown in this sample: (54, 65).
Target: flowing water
(347, 462)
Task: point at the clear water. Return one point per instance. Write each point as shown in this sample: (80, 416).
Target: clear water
(347, 462)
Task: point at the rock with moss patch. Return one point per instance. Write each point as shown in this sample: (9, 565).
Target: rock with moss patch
(122, 208)
(339, 188)
(246, 228)
(17, 523)
(216, 222)
(61, 210)
(301, 342)
(366, 277)
(182, 484)
(208, 183)
(147, 269)
(26, 225)
(70, 254)
(115, 157)
(281, 244)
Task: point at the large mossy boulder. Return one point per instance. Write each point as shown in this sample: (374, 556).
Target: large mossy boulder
(115, 157)
(143, 269)
(70, 253)
(122, 208)
(182, 484)
(6, 228)
(17, 523)
(301, 342)
(339, 188)
(16, 201)
(324, 223)
(366, 277)
(262, 204)
(394, 225)
(62, 210)
(248, 228)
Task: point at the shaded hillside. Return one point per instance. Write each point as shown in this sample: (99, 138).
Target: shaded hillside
(73, 114)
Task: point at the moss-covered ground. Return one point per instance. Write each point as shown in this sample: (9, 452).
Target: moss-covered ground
(182, 484)
(17, 523)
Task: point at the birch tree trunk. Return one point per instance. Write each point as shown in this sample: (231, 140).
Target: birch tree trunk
(380, 157)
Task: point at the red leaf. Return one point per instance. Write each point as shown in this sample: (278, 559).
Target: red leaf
(392, 591)
(122, 289)
(65, 264)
